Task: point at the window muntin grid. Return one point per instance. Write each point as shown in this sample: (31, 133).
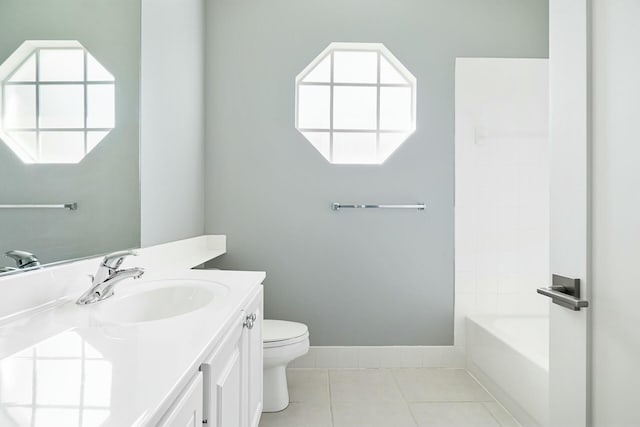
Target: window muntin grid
(57, 105)
(355, 103)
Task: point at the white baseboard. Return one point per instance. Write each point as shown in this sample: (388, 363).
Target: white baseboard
(382, 357)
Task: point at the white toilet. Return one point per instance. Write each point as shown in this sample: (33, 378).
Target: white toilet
(283, 341)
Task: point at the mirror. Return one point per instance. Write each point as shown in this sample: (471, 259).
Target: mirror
(69, 129)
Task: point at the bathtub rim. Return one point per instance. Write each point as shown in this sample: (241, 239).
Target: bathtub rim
(480, 320)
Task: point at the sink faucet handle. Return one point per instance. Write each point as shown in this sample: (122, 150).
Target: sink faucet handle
(115, 259)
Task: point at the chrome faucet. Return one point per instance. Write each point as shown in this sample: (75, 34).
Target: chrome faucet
(108, 276)
(24, 259)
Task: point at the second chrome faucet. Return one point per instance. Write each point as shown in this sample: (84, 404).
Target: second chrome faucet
(107, 276)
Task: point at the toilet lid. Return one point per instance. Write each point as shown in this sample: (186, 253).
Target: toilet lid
(282, 330)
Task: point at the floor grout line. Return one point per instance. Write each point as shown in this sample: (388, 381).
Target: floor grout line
(487, 405)
(330, 397)
(505, 411)
(492, 401)
(491, 413)
(406, 401)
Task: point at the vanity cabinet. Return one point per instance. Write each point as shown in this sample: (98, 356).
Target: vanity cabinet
(187, 411)
(232, 375)
(227, 390)
(253, 359)
(223, 380)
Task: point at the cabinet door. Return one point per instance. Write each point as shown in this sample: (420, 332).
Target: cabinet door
(187, 411)
(223, 381)
(252, 361)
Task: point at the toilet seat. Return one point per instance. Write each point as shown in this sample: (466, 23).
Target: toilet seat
(280, 333)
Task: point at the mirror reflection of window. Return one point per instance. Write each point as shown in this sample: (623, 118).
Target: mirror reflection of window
(58, 102)
(63, 381)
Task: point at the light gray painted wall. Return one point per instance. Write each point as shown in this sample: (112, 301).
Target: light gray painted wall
(615, 213)
(172, 120)
(105, 183)
(355, 277)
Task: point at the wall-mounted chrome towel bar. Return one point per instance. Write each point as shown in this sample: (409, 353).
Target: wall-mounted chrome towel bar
(70, 206)
(338, 206)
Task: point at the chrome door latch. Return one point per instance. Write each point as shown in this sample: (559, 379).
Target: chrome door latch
(565, 292)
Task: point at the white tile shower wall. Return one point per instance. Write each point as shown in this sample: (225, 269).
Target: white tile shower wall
(502, 187)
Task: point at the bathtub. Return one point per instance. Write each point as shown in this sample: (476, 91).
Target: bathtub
(509, 355)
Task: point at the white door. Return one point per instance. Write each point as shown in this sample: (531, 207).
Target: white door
(569, 209)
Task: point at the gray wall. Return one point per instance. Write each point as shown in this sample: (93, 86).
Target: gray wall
(105, 183)
(172, 120)
(359, 277)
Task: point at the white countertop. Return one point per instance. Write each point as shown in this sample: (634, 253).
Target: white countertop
(26, 290)
(63, 366)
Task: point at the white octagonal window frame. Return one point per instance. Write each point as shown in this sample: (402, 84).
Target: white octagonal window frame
(356, 103)
(57, 102)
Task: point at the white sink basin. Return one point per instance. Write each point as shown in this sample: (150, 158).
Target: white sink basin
(159, 300)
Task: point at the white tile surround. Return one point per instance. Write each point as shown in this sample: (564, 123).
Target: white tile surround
(382, 357)
(501, 195)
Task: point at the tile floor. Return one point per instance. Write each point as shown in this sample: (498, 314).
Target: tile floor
(411, 397)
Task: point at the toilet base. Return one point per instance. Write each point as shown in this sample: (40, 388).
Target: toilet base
(275, 381)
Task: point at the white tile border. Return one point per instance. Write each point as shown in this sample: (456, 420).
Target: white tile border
(382, 357)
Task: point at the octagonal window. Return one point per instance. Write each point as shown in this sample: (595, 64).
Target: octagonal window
(57, 102)
(356, 103)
